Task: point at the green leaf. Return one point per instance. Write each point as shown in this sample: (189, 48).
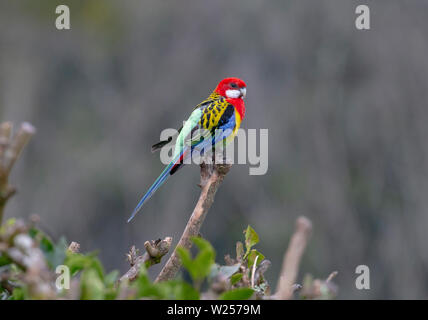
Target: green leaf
(145, 288)
(110, 278)
(57, 255)
(19, 293)
(179, 290)
(228, 271)
(235, 278)
(171, 290)
(92, 287)
(9, 222)
(186, 292)
(41, 236)
(77, 262)
(202, 244)
(54, 253)
(203, 262)
(215, 269)
(4, 260)
(252, 257)
(205, 258)
(98, 267)
(251, 238)
(110, 293)
(237, 294)
(199, 267)
(186, 261)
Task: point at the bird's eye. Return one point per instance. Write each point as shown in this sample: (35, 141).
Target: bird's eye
(233, 85)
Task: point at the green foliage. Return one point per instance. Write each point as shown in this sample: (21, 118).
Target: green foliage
(4, 260)
(94, 283)
(237, 294)
(179, 290)
(95, 286)
(234, 279)
(251, 239)
(252, 257)
(201, 265)
(9, 222)
(19, 294)
(55, 253)
(92, 286)
(173, 289)
(77, 262)
(90, 282)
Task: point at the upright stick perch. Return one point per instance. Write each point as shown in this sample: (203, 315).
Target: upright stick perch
(211, 178)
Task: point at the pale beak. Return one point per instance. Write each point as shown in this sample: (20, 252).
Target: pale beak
(243, 92)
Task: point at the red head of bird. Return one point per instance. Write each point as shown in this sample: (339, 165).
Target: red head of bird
(234, 90)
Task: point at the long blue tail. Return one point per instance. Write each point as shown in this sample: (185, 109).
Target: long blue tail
(159, 181)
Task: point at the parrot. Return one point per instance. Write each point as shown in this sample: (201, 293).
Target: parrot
(220, 115)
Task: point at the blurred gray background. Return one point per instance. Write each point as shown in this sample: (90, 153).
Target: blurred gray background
(346, 112)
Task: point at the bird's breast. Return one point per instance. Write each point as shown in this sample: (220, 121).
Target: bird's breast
(237, 122)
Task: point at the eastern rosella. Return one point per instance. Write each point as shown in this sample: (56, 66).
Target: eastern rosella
(220, 115)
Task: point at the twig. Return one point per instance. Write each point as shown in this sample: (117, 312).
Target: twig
(290, 266)
(211, 178)
(74, 247)
(261, 269)
(5, 131)
(10, 150)
(318, 288)
(26, 131)
(155, 250)
(331, 276)
(253, 272)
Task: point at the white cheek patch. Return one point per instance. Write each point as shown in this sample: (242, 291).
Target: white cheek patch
(233, 94)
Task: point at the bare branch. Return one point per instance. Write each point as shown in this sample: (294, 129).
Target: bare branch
(290, 266)
(318, 288)
(155, 250)
(261, 269)
(331, 276)
(10, 150)
(211, 178)
(17, 145)
(5, 132)
(132, 256)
